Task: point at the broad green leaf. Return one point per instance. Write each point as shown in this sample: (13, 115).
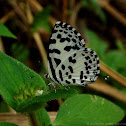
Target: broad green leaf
(37, 102)
(42, 117)
(7, 124)
(4, 31)
(16, 84)
(85, 109)
(41, 20)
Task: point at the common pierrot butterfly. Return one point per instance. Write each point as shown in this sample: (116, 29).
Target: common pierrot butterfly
(69, 62)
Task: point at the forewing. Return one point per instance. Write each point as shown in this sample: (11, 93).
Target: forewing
(64, 41)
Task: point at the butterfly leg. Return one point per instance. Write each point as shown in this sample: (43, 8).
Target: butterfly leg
(52, 84)
(67, 88)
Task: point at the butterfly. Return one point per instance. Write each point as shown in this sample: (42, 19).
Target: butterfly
(69, 62)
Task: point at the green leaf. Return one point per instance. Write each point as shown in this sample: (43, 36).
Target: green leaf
(35, 103)
(4, 31)
(84, 110)
(94, 7)
(42, 117)
(16, 84)
(7, 124)
(120, 45)
(41, 20)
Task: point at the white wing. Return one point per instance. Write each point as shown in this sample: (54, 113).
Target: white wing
(65, 55)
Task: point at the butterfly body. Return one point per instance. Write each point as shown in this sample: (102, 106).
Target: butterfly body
(69, 62)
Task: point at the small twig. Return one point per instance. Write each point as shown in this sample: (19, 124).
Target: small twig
(64, 9)
(113, 74)
(114, 12)
(1, 45)
(35, 5)
(74, 15)
(7, 16)
(108, 90)
(37, 38)
(33, 120)
(19, 11)
(40, 47)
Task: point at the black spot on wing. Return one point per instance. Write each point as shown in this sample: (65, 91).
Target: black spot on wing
(81, 75)
(63, 67)
(82, 81)
(52, 41)
(72, 60)
(70, 28)
(54, 51)
(65, 32)
(85, 77)
(74, 81)
(59, 36)
(75, 32)
(57, 61)
(74, 40)
(70, 76)
(87, 72)
(67, 82)
(90, 61)
(61, 30)
(75, 47)
(67, 39)
(62, 39)
(71, 69)
(60, 75)
(80, 38)
(87, 57)
(67, 48)
(65, 26)
(74, 54)
(66, 73)
(54, 31)
(85, 63)
(70, 35)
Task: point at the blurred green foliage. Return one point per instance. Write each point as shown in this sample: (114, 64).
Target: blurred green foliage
(41, 20)
(116, 58)
(95, 8)
(19, 52)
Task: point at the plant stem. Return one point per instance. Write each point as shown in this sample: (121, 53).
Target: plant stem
(32, 119)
